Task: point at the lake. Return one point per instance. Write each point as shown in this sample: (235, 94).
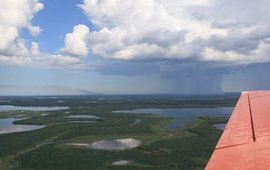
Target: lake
(7, 126)
(6, 108)
(182, 116)
(84, 117)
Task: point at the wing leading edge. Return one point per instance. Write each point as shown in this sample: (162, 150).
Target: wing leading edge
(245, 142)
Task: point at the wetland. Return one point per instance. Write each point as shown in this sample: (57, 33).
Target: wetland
(132, 132)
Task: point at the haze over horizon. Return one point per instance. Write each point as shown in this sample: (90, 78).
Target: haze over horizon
(133, 47)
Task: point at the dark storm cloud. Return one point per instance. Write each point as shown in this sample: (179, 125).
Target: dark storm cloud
(239, 42)
(250, 77)
(186, 77)
(164, 38)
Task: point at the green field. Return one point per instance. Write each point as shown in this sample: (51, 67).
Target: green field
(161, 148)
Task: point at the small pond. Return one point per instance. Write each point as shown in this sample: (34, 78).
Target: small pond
(84, 117)
(117, 144)
(135, 122)
(220, 126)
(121, 162)
(84, 121)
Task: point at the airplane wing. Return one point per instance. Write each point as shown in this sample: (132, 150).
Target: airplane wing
(245, 142)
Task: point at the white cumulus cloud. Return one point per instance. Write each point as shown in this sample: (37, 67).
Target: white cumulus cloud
(203, 30)
(219, 31)
(75, 42)
(16, 15)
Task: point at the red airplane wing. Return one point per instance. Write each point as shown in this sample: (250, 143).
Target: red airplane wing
(245, 142)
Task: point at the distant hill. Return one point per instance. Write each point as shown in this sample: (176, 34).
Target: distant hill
(42, 91)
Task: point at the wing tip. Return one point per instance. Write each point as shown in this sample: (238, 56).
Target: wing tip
(245, 92)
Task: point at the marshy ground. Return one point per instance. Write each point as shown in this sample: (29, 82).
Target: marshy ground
(156, 147)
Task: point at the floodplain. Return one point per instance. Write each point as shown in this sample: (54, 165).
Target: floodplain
(102, 132)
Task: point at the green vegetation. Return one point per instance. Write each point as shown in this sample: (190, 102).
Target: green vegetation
(47, 148)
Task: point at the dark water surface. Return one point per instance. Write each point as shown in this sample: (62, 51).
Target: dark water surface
(182, 116)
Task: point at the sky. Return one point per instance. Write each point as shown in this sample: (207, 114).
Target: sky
(60, 47)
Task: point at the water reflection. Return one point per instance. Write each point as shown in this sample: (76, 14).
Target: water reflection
(118, 144)
(5, 108)
(84, 117)
(7, 126)
(84, 121)
(121, 162)
(220, 126)
(182, 116)
(135, 122)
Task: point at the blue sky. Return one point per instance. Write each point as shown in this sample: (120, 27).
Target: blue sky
(52, 47)
(56, 19)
